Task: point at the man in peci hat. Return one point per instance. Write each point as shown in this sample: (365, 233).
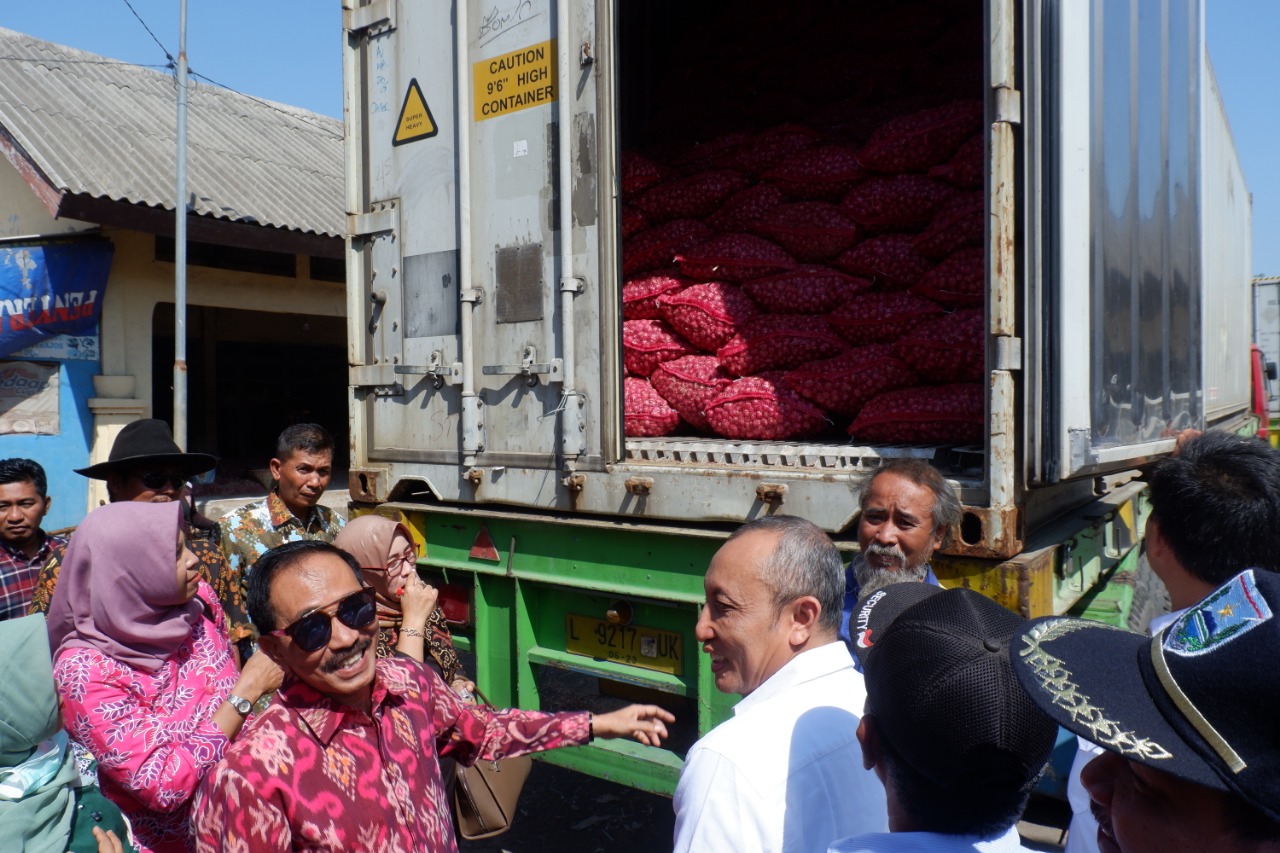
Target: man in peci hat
(145, 464)
(1187, 719)
(956, 742)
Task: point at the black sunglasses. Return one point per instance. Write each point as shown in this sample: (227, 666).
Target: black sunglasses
(313, 631)
(160, 479)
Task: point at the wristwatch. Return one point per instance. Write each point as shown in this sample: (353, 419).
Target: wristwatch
(244, 706)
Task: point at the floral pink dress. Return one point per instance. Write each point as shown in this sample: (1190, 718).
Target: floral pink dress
(152, 732)
(310, 774)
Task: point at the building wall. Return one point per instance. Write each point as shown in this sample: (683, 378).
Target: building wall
(22, 214)
(138, 283)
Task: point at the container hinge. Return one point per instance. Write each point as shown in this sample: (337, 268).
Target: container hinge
(473, 295)
(529, 367)
(1008, 353)
(570, 284)
(378, 16)
(383, 217)
(380, 377)
(1008, 105)
(440, 373)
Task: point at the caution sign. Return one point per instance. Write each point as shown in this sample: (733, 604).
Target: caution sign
(515, 81)
(416, 121)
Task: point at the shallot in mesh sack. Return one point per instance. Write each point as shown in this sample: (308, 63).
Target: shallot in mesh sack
(658, 246)
(809, 289)
(708, 314)
(648, 343)
(821, 173)
(913, 143)
(928, 414)
(900, 202)
(690, 382)
(890, 260)
(881, 318)
(692, 197)
(733, 257)
(810, 230)
(763, 408)
(960, 280)
(845, 383)
(644, 412)
(949, 348)
(640, 293)
(778, 342)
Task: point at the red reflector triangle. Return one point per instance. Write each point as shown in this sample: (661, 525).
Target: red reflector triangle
(482, 548)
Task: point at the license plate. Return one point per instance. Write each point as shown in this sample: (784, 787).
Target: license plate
(648, 648)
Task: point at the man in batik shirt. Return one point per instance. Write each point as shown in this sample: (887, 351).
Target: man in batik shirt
(291, 512)
(24, 546)
(344, 757)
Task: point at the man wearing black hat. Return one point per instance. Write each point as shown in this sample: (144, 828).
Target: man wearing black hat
(1188, 719)
(956, 742)
(146, 464)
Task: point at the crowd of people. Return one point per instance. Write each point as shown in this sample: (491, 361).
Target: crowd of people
(283, 680)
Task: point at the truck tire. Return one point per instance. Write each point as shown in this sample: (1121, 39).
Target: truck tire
(1150, 598)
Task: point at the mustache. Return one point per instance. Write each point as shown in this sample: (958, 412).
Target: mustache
(331, 663)
(872, 578)
(893, 552)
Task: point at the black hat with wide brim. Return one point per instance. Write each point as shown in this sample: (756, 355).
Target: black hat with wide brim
(148, 442)
(1197, 701)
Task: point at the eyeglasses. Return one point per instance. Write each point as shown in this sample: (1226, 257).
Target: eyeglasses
(313, 631)
(160, 479)
(410, 555)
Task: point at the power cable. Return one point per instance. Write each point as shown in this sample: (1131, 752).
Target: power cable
(167, 54)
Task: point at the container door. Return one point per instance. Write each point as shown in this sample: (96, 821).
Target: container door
(476, 333)
(1114, 255)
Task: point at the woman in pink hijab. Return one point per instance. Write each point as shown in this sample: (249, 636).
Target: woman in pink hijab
(409, 621)
(143, 665)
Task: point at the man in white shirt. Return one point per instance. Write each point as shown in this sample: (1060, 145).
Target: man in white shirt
(947, 729)
(785, 773)
(1215, 510)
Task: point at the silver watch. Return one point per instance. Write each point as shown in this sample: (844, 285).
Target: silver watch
(244, 706)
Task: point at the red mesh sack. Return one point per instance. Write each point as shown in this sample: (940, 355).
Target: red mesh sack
(821, 173)
(709, 314)
(804, 290)
(644, 412)
(745, 207)
(763, 408)
(778, 342)
(810, 230)
(769, 148)
(638, 173)
(733, 257)
(895, 201)
(704, 155)
(958, 281)
(881, 318)
(930, 414)
(947, 348)
(889, 260)
(632, 221)
(690, 382)
(640, 294)
(648, 343)
(845, 383)
(913, 143)
(959, 222)
(965, 169)
(689, 198)
(658, 246)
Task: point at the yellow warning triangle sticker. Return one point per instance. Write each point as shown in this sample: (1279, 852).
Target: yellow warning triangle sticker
(416, 121)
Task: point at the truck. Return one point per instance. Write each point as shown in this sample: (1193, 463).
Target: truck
(1266, 339)
(498, 153)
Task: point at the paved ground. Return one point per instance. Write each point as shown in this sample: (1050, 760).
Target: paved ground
(565, 812)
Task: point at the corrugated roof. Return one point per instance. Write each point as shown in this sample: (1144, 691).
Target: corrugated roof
(107, 129)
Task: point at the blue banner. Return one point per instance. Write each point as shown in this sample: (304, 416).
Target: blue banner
(51, 289)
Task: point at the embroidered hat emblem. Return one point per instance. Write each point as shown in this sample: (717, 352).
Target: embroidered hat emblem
(1227, 614)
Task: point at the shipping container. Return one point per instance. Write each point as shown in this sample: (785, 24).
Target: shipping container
(499, 152)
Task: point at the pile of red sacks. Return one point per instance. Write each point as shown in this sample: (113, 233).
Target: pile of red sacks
(786, 284)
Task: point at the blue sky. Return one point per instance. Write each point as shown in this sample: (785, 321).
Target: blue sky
(291, 51)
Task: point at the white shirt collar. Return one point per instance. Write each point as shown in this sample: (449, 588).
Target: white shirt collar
(806, 666)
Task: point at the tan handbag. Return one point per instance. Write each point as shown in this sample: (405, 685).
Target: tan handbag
(485, 795)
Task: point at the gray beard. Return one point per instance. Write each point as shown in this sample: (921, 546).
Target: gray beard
(872, 578)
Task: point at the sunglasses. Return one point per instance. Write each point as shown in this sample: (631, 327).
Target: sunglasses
(160, 479)
(312, 632)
